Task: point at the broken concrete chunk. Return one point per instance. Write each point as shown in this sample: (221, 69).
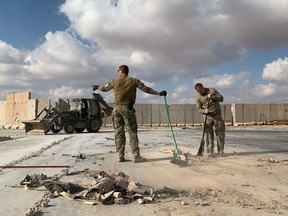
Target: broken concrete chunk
(107, 189)
(62, 186)
(105, 185)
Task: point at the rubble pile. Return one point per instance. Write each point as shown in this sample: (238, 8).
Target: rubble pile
(103, 188)
(106, 189)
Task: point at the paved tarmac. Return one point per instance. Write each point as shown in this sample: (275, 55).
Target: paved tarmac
(62, 149)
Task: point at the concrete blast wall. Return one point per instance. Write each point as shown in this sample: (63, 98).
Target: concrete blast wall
(186, 114)
(154, 115)
(244, 114)
(20, 106)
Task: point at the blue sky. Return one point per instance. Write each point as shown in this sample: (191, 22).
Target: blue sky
(24, 22)
(59, 48)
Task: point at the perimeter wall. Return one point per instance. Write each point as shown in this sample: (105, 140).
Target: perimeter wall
(20, 106)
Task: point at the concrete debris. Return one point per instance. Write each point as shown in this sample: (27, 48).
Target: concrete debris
(57, 186)
(107, 189)
(80, 156)
(43, 202)
(184, 203)
(166, 192)
(271, 160)
(36, 180)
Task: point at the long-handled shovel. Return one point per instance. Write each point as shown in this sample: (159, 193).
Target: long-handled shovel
(202, 143)
(177, 159)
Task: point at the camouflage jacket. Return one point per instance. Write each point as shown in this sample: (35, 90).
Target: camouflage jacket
(214, 106)
(125, 89)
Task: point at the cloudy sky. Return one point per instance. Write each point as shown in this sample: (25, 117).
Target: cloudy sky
(59, 48)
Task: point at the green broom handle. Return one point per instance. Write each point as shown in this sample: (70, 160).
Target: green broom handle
(169, 122)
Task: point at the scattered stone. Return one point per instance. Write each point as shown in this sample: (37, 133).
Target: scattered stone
(36, 180)
(43, 202)
(271, 160)
(184, 203)
(141, 201)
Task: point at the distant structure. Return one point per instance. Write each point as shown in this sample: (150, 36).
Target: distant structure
(20, 106)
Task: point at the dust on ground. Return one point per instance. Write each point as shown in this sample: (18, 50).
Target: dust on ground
(235, 184)
(230, 185)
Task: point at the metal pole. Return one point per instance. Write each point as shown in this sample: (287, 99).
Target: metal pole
(35, 166)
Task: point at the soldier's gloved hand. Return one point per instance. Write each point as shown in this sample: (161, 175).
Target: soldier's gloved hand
(212, 96)
(95, 87)
(163, 93)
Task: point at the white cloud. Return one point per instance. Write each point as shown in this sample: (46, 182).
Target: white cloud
(267, 90)
(66, 92)
(140, 58)
(225, 81)
(277, 71)
(10, 55)
(166, 43)
(61, 55)
(269, 93)
(11, 62)
(167, 31)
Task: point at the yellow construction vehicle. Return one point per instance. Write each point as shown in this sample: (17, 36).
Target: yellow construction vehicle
(83, 113)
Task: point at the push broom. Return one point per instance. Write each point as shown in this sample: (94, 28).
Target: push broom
(177, 159)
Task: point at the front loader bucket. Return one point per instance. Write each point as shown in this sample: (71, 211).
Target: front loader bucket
(35, 127)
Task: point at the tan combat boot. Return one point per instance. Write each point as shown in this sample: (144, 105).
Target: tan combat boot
(121, 159)
(139, 159)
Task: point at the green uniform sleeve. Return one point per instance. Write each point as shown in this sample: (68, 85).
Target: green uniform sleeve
(107, 87)
(199, 104)
(218, 97)
(145, 88)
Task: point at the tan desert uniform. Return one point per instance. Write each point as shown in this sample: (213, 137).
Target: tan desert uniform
(214, 118)
(124, 114)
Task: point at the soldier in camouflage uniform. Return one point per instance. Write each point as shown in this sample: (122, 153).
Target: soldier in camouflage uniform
(124, 114)
(214, 118)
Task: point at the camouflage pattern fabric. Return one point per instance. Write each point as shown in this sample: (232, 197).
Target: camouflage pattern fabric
(214, 119)
(124, 115)
(218, 123)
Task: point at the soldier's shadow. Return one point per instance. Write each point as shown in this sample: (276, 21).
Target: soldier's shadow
(159, 159)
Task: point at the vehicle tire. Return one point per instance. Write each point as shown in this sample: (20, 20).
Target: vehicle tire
(54, 129)
(69, 127)
(94, 125)
(79, 130)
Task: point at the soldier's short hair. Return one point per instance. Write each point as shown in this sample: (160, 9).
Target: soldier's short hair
(124, 68)
(198, 85)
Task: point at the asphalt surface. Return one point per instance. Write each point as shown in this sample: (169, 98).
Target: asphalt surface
(18, 148)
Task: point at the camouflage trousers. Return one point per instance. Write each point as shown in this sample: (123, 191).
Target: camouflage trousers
(218, 123)
(123, 116)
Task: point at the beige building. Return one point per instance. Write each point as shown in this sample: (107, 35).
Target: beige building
(19, 106)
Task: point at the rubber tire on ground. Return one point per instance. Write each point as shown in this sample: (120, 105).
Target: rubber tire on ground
(69, 127)
(79, 130)
(54, 130)
(94, 125)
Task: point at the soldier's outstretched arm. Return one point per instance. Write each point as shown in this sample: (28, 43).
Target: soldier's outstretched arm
(145, 88)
